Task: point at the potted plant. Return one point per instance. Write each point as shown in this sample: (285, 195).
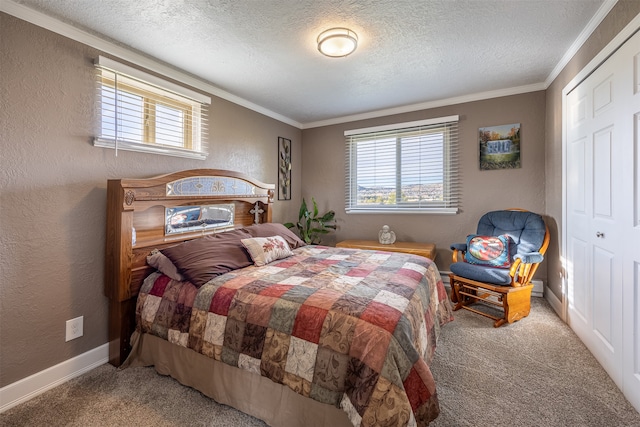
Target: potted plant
(311, 226)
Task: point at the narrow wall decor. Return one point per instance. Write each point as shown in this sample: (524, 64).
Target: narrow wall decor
(284, 169)
(500, 147)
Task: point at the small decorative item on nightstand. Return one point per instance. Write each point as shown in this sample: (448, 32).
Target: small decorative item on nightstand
(427, 250)
(386, 236)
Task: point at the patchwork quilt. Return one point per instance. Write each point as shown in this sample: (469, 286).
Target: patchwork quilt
(350, 328)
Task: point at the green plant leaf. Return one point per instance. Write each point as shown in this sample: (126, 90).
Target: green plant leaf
(328, 216)
(310, 225)
(303, 209)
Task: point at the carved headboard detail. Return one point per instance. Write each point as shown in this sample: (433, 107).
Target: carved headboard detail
(141, 205)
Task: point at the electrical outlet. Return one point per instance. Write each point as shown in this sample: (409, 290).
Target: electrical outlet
(74, 328)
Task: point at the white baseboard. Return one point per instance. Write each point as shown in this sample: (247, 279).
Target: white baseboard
(38, 383)
(555, 303)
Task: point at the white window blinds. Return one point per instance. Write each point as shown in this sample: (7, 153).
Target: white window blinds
(407, 167)
(141, 112)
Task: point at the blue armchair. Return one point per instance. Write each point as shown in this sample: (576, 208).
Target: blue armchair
(496, 265)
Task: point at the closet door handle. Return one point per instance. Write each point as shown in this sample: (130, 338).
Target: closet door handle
(600, 234)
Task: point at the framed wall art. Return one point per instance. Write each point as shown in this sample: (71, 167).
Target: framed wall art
(500, 147)
(284, 169)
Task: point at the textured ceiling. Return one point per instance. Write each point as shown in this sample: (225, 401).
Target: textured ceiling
(409, 52)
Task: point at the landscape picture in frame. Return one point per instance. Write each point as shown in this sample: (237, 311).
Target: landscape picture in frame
(284, 169)
(500, 147)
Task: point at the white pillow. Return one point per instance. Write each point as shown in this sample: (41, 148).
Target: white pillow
(264, 250)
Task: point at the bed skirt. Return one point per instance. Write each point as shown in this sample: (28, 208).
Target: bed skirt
(275, 404)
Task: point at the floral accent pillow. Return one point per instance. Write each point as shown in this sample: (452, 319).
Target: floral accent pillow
(264, 250)
(490, 251)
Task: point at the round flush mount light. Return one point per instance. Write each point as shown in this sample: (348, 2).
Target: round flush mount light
(337, 42)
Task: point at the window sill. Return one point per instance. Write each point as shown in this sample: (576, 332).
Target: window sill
(389, 211)
(149, 148)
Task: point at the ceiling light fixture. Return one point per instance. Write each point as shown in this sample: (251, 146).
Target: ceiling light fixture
(337, 42)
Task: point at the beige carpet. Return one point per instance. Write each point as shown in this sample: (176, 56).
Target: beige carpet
(535, 372)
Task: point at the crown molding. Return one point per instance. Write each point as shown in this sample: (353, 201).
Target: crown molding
(626, 33)
(481, 96)
(84, 37)
(74, 33)
(602, 12)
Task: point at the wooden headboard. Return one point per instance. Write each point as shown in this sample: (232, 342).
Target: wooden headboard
(140, 204)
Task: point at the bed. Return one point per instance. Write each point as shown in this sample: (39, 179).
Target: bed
(205, 288)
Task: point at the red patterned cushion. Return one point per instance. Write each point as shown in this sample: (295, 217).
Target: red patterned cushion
(491, 251)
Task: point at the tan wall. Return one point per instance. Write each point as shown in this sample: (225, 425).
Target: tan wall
(618, 18)
(53, 192)
(323, 174)
(53, 182)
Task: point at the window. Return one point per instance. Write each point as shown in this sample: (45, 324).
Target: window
(141, 112)
(407, 167)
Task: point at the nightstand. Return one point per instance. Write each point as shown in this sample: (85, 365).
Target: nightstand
(427, 250)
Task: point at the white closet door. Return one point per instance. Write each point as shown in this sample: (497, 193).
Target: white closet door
(631, 233)
(603, 216)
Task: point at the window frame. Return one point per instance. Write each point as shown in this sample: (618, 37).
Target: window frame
(153, 91)
(448, 126)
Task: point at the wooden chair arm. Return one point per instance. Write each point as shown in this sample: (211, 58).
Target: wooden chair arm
(514, 268)
(522, 273)
(455, 255)
(458, 248)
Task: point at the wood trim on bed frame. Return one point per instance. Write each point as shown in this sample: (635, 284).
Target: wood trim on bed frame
(141, 203)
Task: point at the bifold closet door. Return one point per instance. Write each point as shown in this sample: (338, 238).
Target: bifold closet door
(603, 215)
